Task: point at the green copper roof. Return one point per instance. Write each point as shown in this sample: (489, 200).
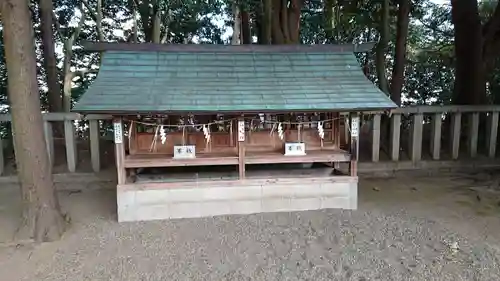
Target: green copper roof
(141, 81)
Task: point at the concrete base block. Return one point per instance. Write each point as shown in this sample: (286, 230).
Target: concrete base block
(159, 201)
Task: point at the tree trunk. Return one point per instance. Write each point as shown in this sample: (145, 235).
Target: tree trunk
(41, 215)
(470, 84)
(328, 12)
(400, 55)
(98, 21)
(265, 23)
(49, 56)
(382, 47)
(286, 21)
(246, 36)
(235, 39)
(156, 29)
(68, 54)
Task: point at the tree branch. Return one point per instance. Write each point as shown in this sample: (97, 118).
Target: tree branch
(92, 13)
(491, 27)
(57, 25)
(83, 72)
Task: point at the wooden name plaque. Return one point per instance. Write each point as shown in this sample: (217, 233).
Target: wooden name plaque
(295, 149)
(184, 151)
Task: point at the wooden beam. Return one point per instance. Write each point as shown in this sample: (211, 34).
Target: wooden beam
(62, 116)
(119, 151)
(219, 48)
(445, 108)
(354, 143)
(241, 148)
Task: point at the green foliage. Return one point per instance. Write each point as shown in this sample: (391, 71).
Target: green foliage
(429, 73)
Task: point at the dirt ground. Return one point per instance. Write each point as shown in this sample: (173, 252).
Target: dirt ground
(411, 227)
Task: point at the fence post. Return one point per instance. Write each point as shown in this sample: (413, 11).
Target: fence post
(416, 136)
(437, 123)
(456, 124)
(94, 145)
(395, 136)
(49, 138)
(473, 133)
(69, 137)
(376, 137)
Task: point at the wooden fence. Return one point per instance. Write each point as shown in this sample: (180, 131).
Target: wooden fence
(404, 134)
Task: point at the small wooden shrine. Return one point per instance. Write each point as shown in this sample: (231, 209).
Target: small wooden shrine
(236, 106)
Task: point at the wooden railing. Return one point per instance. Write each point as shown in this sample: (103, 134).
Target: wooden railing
(404, 134)
(67, 120)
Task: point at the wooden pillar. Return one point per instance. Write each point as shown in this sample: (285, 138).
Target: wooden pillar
(473, 133)
(376, 137)
(456, 123)
(416, 131)
(69, 137)
(119, 151)
(241, 148)
(94, 145)
(354, 144)
(347, 123)
(491, 140)
(437, 123)
(395, 136)
(231, 134)
(337, 131)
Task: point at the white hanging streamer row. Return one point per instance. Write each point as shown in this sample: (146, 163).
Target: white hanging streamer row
(219, 122)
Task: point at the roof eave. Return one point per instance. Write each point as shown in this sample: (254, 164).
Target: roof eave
(219, 48)
(236, 112)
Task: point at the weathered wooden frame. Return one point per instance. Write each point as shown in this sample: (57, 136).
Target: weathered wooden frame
(257, 148)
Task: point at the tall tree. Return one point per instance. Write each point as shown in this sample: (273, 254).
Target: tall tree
(470, 83)
(41, 215)
(382, 47)
(49, 56)
(276, 21)
(286, 21)
(400, 53)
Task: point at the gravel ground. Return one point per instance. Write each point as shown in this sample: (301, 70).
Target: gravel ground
(405, 233)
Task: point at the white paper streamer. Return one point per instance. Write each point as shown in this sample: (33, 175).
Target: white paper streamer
(163, 135)
(280, 132)
(206, 132)
(321, 132)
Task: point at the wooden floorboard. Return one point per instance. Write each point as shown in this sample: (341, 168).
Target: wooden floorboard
(311, 157)
(156, 160)
(251, 158)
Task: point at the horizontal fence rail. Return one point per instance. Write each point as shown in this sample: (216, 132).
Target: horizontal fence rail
(403, 134)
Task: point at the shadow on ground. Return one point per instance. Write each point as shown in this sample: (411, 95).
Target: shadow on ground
(406, 228)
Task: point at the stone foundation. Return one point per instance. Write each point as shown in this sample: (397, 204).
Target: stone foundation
(156, 201)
